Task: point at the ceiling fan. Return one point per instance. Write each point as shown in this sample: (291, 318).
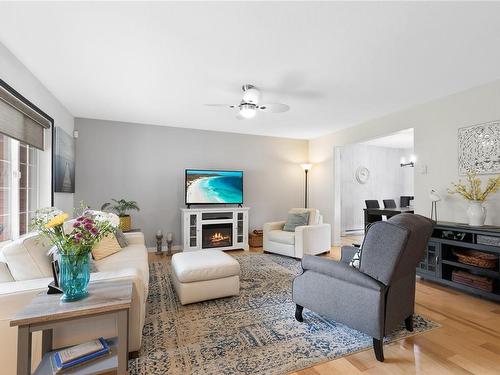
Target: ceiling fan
(251, 104)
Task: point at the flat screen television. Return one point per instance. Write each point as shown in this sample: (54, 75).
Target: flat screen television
(214, 187)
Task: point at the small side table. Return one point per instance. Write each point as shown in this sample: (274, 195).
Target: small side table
(46, 312)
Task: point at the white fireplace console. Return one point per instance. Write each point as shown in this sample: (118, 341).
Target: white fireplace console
(222, 228)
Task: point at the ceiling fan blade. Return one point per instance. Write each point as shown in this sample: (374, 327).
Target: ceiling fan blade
(222, 105)
(274, 107)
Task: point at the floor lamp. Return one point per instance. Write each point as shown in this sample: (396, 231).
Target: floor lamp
(306, 167)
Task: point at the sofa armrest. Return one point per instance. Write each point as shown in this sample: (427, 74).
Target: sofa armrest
(312, 239)
(135, 238)
(339, 271)
(347, 253)
(275, 225)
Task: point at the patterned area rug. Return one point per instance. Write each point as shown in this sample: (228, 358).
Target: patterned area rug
(254, 333)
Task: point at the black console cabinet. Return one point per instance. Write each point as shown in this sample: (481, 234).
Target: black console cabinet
(440, 261)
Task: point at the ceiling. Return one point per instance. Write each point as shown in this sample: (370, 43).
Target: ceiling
(402, 139)
(335, 64)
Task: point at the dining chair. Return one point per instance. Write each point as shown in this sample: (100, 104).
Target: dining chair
(372, 203)
(389, 203)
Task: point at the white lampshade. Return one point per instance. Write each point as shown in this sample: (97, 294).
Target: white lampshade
(306, 166)
(247, 112)
(434, 196)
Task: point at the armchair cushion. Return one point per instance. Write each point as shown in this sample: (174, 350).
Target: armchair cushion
(340, 271)
(282, 236)
(296, 219)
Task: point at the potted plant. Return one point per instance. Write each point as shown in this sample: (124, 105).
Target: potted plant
(73, 245)
(471, 190)
(121, 207)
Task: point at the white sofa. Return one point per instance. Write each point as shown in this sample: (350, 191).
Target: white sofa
(312, 239)
(25, 270)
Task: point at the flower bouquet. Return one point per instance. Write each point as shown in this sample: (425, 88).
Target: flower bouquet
(73, 241)
(473, 192)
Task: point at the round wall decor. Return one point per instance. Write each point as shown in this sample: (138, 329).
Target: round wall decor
(362, 175)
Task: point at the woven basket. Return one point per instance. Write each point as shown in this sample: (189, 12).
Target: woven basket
(476, 258)
(474, 281)
(255, 238)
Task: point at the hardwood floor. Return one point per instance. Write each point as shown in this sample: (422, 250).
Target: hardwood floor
(467, 343)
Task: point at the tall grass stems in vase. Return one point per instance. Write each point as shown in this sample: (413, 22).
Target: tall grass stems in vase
(472, 191)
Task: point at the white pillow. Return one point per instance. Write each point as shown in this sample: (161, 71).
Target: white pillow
(5, 275)
(27, 257)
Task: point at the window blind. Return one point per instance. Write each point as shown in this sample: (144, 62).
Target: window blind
(20, 121)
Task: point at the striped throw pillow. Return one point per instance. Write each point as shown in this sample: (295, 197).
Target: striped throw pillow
(106, 247)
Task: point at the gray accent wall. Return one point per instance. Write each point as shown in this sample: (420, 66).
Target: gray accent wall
(146, 163)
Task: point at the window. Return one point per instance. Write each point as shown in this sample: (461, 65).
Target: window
(18, 187)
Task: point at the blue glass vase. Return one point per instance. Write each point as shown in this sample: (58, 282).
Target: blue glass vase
(74, 276)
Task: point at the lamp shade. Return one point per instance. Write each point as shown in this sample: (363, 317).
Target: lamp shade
(306, 166)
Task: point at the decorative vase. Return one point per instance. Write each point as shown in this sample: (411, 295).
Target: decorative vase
(125, 223)
(476, 213)
(74, 276)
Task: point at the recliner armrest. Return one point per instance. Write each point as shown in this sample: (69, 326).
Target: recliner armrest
(339, 271)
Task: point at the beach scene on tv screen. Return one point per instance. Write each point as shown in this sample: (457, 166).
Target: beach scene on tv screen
(205, 187)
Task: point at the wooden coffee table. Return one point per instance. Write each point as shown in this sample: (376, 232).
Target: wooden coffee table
(46, 312)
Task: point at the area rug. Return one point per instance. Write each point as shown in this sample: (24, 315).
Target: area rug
(254, 333)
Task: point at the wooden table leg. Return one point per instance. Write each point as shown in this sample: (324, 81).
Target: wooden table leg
(122, 325)
(46, 341)
(23, 350)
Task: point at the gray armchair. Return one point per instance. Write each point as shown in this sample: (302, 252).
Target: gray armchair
(376, 298)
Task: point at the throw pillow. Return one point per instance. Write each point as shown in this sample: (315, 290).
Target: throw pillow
(5, 275)
(296, 219)
(106, 247)
(356, 259)
(120, 237)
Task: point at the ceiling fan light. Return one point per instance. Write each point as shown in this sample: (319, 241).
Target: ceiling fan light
(247, 112)
(251, 95)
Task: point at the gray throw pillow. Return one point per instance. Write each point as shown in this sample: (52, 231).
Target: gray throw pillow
(120, 237)
(296, 219)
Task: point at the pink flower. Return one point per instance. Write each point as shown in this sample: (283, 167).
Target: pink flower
(76, 224)
(94, 231)
(80, 218)
(79, 235)
(76, 241)
(88, 226)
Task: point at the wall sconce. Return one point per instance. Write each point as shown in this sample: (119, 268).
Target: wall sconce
(410, 163)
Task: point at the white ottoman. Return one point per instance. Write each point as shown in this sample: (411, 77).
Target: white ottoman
(205, 274)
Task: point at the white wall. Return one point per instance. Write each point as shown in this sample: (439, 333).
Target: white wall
(14, 73)
(435, 125)
(387, 180)
(146, 163)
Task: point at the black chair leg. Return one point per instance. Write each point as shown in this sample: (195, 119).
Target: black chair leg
(409, 323)
(298, 313)
(378, 348)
